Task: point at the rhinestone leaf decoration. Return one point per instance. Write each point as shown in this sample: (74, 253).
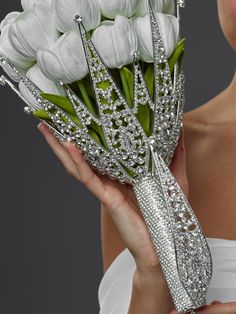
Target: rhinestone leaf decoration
(192, 253)
(132, 155)
(125, 136)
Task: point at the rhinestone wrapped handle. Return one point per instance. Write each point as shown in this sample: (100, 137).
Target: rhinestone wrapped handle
(177, 238)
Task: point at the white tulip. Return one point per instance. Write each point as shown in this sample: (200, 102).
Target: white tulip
(29, 5)
(7, 50)
(65, 60)
(43, 83)
(169, 31)
(66, 11)
(112, 8)
(6, 47)
(33, 30)
(163, 6)
(116, 42)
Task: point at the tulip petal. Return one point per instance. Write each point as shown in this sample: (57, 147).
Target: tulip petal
(169, 31)
(7, 50)
(116, 43)
(112, 8)
(65, 60)
(33, 30)
(29, 5)
(9, 18)
(163, 6)
(65, 14)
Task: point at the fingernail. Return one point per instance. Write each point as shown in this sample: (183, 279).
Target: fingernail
(39, 125)
(215, 302)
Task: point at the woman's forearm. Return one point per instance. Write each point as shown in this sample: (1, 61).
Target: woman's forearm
(150, 294)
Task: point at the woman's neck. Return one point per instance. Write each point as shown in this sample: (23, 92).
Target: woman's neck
(223, 106)
(231, 90)
(219, 110)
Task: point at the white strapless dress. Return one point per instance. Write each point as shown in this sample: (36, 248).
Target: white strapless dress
(115, 289)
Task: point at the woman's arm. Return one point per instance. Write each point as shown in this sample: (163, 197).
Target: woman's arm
(150, 294)
(112, 244)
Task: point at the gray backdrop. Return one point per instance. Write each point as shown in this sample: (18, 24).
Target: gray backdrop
(50, 225)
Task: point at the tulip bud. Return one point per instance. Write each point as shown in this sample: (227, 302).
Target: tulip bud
(7, 50)
(65, 13)
(33, 30)
(43, 83)
(112, 8)
(116, 42)
(65, 60)
(29, 5)
(169, 31)
(163, 6)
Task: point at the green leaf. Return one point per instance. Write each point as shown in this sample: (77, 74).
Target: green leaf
(129, 171)
(60, 101)
(86, 98)
(149, 79)
(127, 81)
(89, 89)
(94, 128)
(176, 54)
(94, 135)
(75, 120)
(42, 114)
(104, 85)
(144, 116)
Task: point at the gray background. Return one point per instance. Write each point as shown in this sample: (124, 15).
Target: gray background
(49, 224)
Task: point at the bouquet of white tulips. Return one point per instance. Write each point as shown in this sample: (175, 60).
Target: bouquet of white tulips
(44, 42)
(107, 74)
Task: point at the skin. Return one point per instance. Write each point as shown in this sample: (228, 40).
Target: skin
(204, 166)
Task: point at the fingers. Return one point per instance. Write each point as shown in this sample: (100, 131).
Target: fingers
(74, 162)
(203, 309)
(227, 308)
(86, 175)
(178, 165)
(58, 148)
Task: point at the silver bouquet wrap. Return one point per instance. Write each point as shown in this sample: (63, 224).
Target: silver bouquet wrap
(130, 154)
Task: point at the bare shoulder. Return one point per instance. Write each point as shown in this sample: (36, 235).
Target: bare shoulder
(201, 125)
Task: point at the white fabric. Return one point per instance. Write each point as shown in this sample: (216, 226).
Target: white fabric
(115, 289)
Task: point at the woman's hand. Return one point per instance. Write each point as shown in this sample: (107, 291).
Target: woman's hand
(150, 293)
(119, 199)
(216, 307)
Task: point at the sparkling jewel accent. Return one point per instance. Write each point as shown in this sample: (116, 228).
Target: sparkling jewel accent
(2, 80)
(78, 18)
(128, 154)
(177, 237)
(181, 3)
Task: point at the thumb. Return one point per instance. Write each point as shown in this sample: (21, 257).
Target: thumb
(178, 165)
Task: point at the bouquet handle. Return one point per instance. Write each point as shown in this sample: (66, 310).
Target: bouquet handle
(177, 238)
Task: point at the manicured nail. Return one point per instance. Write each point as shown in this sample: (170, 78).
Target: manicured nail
(215, 302)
